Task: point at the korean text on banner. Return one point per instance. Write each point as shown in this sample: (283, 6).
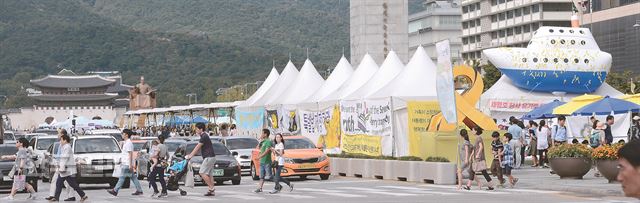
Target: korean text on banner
(362, 144)
(322, 127)
(444, 82)
(250, 119)
(420, 115)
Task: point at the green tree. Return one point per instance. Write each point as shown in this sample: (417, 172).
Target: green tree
(491, 75)
(622, 81)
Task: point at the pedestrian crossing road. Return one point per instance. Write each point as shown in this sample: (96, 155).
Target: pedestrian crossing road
(337, 189)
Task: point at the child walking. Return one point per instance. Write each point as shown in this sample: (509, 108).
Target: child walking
(508, 159)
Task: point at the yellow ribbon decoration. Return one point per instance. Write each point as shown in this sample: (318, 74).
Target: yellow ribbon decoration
(465, 104)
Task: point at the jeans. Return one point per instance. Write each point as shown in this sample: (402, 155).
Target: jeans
(157, 172)
(265, 171)
(278, 178)
(134, 179)
(54, 182)
(497, 170)
(72, 182)
(517, 146)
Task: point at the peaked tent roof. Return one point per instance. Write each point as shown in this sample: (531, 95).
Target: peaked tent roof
(417, 80)
(390, 68)
(307, 82)
(271, 79)
(288, 75)
(341, 73)
(360, 76)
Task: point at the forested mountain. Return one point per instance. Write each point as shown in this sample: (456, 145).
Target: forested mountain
(180, 46)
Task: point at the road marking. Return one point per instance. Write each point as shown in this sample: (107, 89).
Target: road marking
(329, 192)
(294, 196)
(244, 197)
(533, 191)
(468, 191)
(419, 190)
(378, 191)
(189, 196)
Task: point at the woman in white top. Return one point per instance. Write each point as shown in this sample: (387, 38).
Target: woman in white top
(543, 133)
(279, 152)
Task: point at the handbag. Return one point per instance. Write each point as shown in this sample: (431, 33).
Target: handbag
(479, 165)
(117, 172)
(19, 182)
(189, 180)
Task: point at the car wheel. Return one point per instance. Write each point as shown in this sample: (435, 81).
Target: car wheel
(254, 176)
(324, 176)
(235, 182)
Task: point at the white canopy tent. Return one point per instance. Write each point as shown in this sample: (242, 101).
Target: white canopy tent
(341, 73)
(360, 76)
(288, 75)
(305, 84)
(271, 79)
(390, 68)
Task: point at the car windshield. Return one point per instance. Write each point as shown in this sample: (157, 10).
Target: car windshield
(44, 143)
(298, 144)
(218, 149)
(56, 147)
(118, 136)
(138, 146)
(243, 143)
(96, 145)
(8, 136)
(172, 146)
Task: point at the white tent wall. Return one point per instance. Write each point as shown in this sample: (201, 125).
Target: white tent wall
(288, 75)
(390, 68)
(340, 74)
(366, 69)
(305, 84)
(580, 126)
(266, 85)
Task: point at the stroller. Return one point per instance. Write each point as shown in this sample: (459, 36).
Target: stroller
(177, 170)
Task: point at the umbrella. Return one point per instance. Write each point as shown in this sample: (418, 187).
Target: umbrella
(543, 111)
(635, 98)
(575, 104)
(607, 106)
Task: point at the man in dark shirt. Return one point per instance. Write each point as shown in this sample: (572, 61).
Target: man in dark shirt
(208, 158)
(608, 136)
(496, 149)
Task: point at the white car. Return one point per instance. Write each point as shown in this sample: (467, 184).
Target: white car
(115, 133)
(40, 145)
(97, 156)
(243, 146)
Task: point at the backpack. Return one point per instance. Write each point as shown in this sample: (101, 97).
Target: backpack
(594, 140)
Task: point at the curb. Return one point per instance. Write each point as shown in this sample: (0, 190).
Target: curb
(589, 191)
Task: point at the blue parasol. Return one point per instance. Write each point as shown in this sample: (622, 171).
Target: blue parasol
(543, 112)
(607, 106)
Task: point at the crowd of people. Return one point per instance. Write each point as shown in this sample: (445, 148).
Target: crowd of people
(223, 130)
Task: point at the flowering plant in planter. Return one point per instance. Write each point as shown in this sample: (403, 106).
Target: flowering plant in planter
(570, 151)
(606, 152)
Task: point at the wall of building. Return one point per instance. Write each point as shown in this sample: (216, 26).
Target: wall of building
(30, 118)
(377, 27)
(439, 21)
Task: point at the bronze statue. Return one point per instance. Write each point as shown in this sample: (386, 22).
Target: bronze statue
(142, 96)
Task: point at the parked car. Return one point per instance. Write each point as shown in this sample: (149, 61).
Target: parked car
(243, 146)
(97, 155)
(48, 167)
(301, 156)
(6, 182)
(226, 167)
(40, 145)
(115, 133)
(47, 131)
(8, 136)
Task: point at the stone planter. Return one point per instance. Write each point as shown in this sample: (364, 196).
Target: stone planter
(357, 167)
(339, 166)
(378, 169)
(608, 169)
(414, 171)
(569, 167)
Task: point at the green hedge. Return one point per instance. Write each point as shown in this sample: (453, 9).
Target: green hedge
(410, 158)
(437, 159)
(363, 156)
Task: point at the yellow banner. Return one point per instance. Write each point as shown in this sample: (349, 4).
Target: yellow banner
(420, 115)
(362, 144)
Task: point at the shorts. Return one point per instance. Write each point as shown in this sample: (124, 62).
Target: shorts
(207, 166)
(506, 170)
(533, 148)
(265, 171)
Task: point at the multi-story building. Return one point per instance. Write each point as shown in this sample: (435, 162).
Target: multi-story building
(378, 27)
(440, 20)
(494, 23)
(615, 25)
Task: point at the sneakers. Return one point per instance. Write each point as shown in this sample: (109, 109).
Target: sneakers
(8, 198)
(137, 193)
(70, 199)
(49, 198)
(84, 198)
(274, 192)
(259, 190)
(164, 194)
(32, 197)
(291, 187)
(155, 194)
(112, 192)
